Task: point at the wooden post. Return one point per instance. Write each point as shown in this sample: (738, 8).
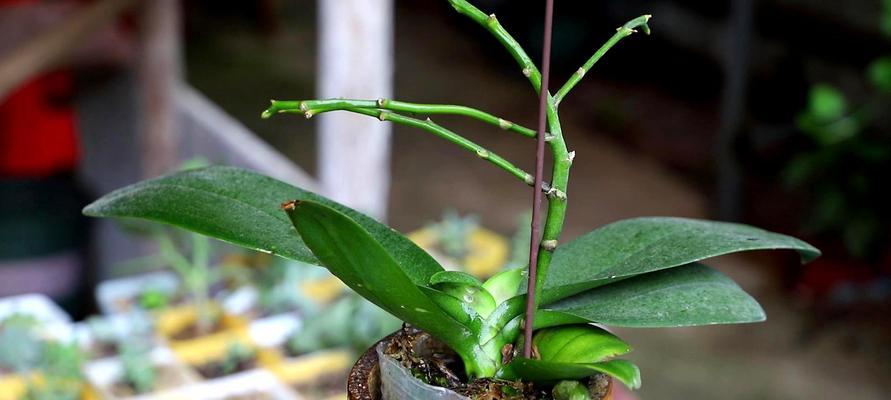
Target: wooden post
(355, 61)
(48, 49)
(160, 71)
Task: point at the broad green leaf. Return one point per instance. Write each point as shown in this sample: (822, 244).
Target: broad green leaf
(458, 277)
(578, 344)
(551, 372)
(685, 296)
(243, 208)
(641, 245)
(475, 297)
(457, 309)
(354, 256)
(505, 284)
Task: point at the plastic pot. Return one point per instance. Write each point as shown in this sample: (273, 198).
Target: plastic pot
(375, 376)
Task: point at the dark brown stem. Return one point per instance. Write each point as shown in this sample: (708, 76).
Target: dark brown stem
(539, 171)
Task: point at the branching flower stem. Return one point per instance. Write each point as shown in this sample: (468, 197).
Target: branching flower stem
(365, 107)
(622, 32)
(562, 159)
(556, 191)
(319, 106)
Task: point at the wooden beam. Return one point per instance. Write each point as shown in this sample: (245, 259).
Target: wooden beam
(50, 48)
(355, 61)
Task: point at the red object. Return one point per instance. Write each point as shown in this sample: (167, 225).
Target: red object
(38, 134)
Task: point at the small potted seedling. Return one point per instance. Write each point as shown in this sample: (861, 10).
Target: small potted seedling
(201, 316)
(58, 375)
(20, 344)
(103, 336)
(460, 243)
(514, 335)
(152, 291)
(238, 357)
(138, 370)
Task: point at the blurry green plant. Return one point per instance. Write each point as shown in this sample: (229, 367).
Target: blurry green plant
(59, 375)
(51, 368)
(844, 169)
(453, 233)
(20, 343)
(641, 272)
(237, 354)
(350, 322)
(139, 372)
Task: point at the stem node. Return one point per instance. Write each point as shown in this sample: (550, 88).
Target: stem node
(492, 20)
(554, 193)
(549, 245)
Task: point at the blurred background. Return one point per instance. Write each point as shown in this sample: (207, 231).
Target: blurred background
(775, 113)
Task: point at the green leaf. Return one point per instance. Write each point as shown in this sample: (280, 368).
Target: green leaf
(243, 208)
(458, 277)
(880, 73)
(826, 103)
(637, 246)
(685, 296)
(454, 307)
(354, 256)
(551, 372)
(475, 297)
(578, 344)
(505, 284)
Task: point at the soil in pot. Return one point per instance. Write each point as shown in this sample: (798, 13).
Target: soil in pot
(103, 349)
(239, 358)
(167, 378)
(193, 331)
(434, 363)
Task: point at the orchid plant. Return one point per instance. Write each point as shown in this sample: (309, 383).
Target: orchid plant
(642, 272)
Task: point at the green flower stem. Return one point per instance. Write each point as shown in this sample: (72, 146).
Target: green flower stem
(315, 107)
(195, 274)
(562, 159)
(318, 106)
(490, 22)
(622, 32)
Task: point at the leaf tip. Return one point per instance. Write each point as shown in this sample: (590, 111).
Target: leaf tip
(290, 205)
(92, 210)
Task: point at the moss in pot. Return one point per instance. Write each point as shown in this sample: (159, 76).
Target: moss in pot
(463, 335)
